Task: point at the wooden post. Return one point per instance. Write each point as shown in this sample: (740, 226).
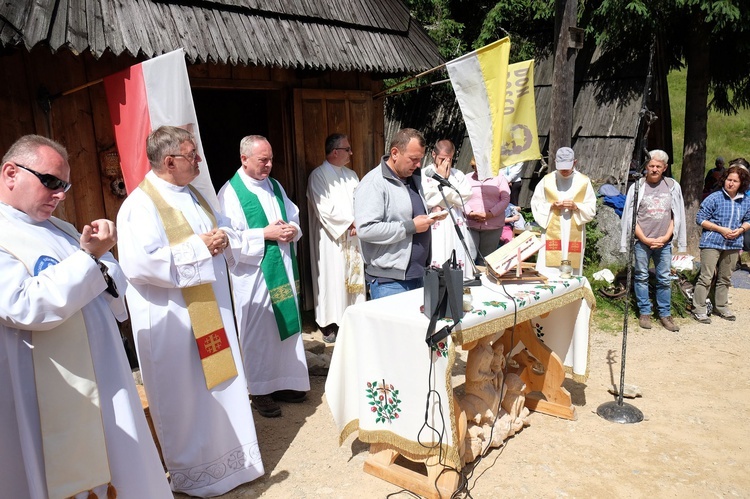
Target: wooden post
(563, 78)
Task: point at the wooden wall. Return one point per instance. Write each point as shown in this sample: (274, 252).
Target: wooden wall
(80, 120)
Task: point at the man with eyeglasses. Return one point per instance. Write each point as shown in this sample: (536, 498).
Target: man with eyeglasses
(176, 250)
(71, 416)
(266, 280)
(335, 256)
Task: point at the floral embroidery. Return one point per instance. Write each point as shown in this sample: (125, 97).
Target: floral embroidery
(384, 401)
(441, 349)
(496, 304)
(538, 328)
(522, 296)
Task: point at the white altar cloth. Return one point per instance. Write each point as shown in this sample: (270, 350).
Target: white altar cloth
(378, 380)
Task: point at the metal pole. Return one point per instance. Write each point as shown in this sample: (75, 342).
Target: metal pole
(619, 411)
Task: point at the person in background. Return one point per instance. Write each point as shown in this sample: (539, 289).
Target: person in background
(175, 250)
(335, 256)
(72, 423)
(444, 237)
(512, 219)
(486, 211)
(512, 174)
(713, 177)
(660, 222)
(746, 236)
(725, 218)
(391, 219)
(563, 203)
(266, 280)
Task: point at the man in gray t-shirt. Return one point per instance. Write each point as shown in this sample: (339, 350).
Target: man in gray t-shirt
(660, 211)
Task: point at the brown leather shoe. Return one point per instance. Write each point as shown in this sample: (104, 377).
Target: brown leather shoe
(644, 321)
(266, 406)
(669, 324)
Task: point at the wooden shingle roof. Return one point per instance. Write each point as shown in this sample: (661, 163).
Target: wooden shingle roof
(377, 36)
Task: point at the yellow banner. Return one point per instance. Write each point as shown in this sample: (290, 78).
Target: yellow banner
(479, 81)
(520, 141)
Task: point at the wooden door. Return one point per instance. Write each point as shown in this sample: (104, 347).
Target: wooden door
(317, 114)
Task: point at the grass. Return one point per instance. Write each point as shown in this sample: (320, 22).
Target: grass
(728, 136)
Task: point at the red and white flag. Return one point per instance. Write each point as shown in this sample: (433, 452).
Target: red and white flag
(141, 99)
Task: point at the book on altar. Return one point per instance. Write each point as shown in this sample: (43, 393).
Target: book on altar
(511, 254)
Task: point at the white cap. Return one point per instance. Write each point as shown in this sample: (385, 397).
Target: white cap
(564, 158)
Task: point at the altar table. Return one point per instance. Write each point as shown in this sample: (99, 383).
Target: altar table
(382, 368)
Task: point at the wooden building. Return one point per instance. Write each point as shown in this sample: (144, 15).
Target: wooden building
(291, 70)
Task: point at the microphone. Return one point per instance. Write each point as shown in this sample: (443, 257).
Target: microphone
(430, 171)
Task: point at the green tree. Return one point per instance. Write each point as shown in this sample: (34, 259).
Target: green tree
(710, 39)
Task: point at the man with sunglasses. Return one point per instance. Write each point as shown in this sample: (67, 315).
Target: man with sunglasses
(335, 256)
(71, 417)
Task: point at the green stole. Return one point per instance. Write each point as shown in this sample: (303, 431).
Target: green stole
(274, 271)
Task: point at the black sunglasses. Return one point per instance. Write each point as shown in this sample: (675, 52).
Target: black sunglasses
(49, 181)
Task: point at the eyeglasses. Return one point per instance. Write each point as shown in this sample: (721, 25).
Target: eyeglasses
(49, 181)
(190, 157)
(347, 149)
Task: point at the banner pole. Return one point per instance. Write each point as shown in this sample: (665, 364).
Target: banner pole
(424, 73)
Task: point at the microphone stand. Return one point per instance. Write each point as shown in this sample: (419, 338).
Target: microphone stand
(619, 411)
(476, 280)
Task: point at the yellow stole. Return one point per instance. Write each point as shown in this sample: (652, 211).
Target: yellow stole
(210, 337)
(73, 443)
(553, 251)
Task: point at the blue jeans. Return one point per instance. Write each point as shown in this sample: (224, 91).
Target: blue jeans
(380, 290)
(662, 262)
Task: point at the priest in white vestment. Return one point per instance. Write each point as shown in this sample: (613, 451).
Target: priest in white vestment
(563, 202)
(202, 418)
(335, 257)
(444, 236)
(71, 421)
(266, 280)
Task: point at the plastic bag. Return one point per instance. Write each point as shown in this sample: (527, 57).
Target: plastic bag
(682, 262)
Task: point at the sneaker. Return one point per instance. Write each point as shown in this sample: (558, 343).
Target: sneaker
(669, 324)
(329, 338)
(644, 321)
(291, 396)
(726, 314)
(702, 318)
(266, 406)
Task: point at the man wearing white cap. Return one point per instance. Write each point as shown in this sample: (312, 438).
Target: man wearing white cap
(563, 202)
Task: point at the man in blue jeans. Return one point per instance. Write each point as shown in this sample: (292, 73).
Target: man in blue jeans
(390, 213)
(660, 216)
